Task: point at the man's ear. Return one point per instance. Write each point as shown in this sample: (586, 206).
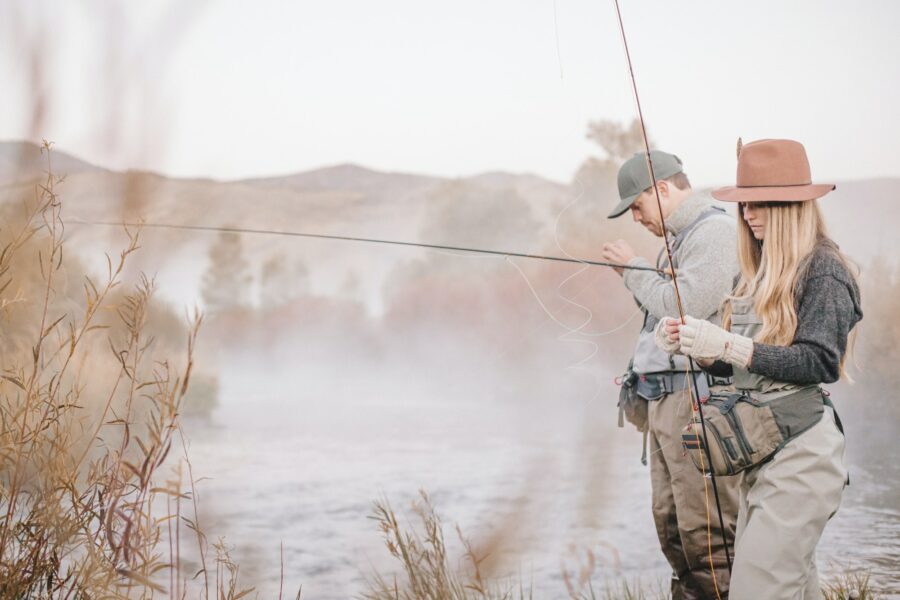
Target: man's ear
(663, 186)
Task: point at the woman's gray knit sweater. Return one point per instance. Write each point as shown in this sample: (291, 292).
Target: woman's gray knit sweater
(828, 307)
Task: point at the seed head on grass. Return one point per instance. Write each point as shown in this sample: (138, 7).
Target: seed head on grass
(428, 571)
(850, 585)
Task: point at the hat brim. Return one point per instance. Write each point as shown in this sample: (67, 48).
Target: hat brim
(781, 193)
(622, 206)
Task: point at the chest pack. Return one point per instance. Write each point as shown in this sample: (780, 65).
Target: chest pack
(746, 427)
(744, 430)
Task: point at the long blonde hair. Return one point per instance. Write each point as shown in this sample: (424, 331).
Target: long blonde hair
(770, 272)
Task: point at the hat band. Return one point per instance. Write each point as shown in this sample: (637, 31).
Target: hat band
(775, 185)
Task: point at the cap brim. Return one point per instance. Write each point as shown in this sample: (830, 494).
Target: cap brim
(786, 193)
(623, 206)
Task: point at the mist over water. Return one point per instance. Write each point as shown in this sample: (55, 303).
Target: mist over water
(333, 375)
(302, 461)
(373, 372)
(535, 472)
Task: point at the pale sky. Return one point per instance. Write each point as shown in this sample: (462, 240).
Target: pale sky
(234, 89)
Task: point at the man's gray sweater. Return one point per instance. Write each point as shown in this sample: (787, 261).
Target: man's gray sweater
(706, 264)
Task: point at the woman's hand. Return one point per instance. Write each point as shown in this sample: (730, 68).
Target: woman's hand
(707, 342)
(667, 335)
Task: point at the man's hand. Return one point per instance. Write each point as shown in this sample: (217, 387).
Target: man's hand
(672, 327)
(617, 252)
(667, 335)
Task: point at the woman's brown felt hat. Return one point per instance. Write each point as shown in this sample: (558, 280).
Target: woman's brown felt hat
(772, 171)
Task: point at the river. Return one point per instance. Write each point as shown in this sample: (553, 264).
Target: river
(300, 461)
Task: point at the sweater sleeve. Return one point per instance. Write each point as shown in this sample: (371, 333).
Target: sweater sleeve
(706, 267)
(827, 312)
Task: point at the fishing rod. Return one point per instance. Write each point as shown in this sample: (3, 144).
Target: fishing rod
(346, 238)
(695, 394)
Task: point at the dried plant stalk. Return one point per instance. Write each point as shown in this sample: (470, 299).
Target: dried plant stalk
(81, 510)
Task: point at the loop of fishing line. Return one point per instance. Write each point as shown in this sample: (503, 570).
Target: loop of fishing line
(572, 330)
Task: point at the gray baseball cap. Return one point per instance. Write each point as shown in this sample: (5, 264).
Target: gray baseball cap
(634, 176)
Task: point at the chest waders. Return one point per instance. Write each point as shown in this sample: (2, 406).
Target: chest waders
(746, 427)
(659, 373)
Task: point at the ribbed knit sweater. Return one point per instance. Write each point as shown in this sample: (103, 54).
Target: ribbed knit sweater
(706, 265)
(828, 307)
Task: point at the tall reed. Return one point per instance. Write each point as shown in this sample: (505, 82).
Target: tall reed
(427, 567)
(89, 415)
(427, 571)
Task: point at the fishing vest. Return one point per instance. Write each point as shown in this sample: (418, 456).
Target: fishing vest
(652, 373)
(746, 427)
(648, 358)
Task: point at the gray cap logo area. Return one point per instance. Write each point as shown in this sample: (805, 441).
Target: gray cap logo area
(634, 176)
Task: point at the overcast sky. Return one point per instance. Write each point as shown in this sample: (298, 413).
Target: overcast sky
(233, 89)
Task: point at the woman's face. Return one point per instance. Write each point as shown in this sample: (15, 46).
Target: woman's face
(756, 216)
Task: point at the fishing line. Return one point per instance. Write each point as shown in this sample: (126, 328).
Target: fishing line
(439, 248)
(579, 330)
(556, 33)
(347, 238)
(570, 330)
(445, 250)
(556, 223)
(590, 314)
(538, 326)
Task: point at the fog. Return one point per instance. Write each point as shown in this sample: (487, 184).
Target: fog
(331, 374)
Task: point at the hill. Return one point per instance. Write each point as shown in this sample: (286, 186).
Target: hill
(22, 161)
(495, 210)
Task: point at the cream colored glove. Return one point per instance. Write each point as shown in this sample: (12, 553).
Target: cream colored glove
(705, 341)
(663, 341)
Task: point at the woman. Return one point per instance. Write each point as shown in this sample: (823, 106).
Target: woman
(785, 331)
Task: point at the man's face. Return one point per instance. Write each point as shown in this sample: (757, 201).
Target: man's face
(646, 212)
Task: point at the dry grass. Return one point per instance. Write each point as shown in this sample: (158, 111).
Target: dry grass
(580, 585)
(427, 572)
(88, 504)
(427, 568)
(850, 585)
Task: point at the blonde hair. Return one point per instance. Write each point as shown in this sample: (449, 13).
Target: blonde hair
(771, 272)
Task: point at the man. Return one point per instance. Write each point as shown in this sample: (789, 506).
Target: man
(703, 241)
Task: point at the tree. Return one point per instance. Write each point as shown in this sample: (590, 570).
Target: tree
(595, 182)
(279, 283)
(618, 142)
(465, 214)
(227, 281)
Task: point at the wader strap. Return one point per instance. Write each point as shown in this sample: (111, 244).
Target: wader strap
(644, 451)
(702, 386)
(712, 211)
(653, 386)
(730, 401)
(837, 419)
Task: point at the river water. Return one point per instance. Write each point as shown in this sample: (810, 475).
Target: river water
(299, 462)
